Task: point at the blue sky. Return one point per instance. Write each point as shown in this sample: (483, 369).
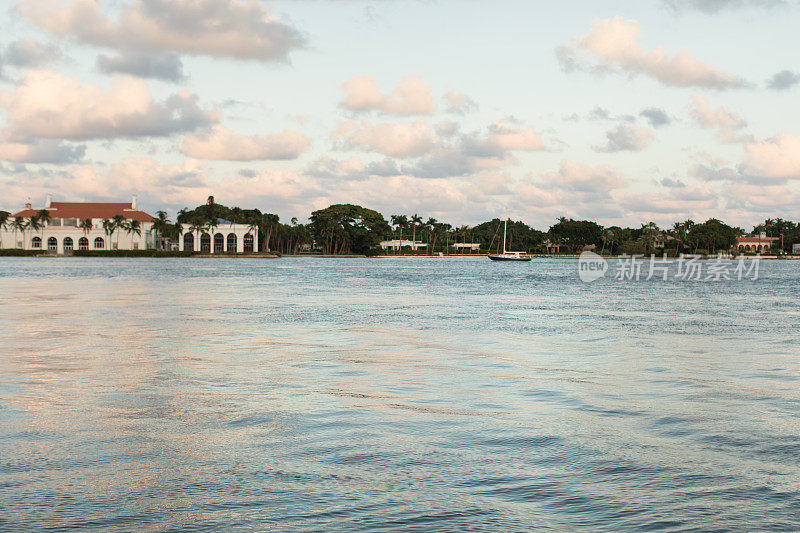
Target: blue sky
(293, 108)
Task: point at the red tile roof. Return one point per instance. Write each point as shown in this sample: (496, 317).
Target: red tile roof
(756, 239)
(81, 210)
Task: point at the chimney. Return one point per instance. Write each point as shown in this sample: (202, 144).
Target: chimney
(28, 205)
(48, 201)
(133, 202)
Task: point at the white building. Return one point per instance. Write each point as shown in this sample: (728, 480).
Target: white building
(467, 246)
(68, 229)
(398, 243)
(225, 237)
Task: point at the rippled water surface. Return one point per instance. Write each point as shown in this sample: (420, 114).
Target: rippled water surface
(394, 394)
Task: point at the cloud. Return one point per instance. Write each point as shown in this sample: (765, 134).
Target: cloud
(223, 144)
(785, 79)
(657, 117)
(412, 96)
(777, 157)
(627, 138)
(165, 67)
(612, 46)
(351, 169)
(459, 103)
(29, 53)
(582, 178)
(392, 139)
(240, 29)
(726, 122)
(41, 151)
(504, 137)
(713, 6)
(671, 183)
(47, 104)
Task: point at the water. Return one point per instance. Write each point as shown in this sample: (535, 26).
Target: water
(307, 394)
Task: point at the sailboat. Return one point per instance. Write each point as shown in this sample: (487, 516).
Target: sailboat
(506, 255)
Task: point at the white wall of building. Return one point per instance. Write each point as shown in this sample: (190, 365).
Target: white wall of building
(239, 231)
(120, 239)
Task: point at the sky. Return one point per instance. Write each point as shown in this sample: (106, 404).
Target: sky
(620, 112)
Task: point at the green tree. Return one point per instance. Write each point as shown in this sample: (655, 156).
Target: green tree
(347, 228)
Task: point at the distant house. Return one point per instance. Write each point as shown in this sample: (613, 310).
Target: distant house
(796, 248)
(755, 242)
(467, 246)
(401, 243)
(225, 237)
(67, 230)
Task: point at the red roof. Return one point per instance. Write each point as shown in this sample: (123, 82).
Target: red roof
(749, 238)
(83, 210)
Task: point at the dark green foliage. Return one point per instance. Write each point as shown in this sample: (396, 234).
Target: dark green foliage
(347, 228)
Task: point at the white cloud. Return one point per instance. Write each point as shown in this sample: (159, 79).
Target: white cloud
(393, 139)
(707, 117)
(222, 143)
(47, 104)
(503, 136)
(412, 96)
(582, 178)
(627, 138)
(41, 151)
(458, 102)
(777, 157)
(612, 46)
(241, 29)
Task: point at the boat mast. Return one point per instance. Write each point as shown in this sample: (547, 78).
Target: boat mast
(505, 224)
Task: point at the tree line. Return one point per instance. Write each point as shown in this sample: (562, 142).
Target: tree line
(353, 229)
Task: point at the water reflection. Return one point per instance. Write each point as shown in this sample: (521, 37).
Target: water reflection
(395, 394)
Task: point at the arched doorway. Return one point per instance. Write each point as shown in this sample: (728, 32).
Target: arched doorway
(188, 243)
(231, 242)
(36, 242)
(52, 244)
(248, 242)
(219, 243)
(67, 245)
(83, 243)
(205, 242)
(99, 243)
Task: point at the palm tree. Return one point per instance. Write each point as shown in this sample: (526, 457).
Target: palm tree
(34, 225)
(86, 225)
(431, 224)
(131, 227)
(415, 219)
(4, 221)
(160, 226)
(400, 222)
(109, 227)
(197, 228)
(19, 224)
(119, 223)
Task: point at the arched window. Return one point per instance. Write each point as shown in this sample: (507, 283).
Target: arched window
(219, 243)
(83, 243)
(67, 244)
(188, 242)
(248, 242)
(99, 243)
(36, 242)
(741, 248)
(52, 244)
(231, 242)
(205, 242)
